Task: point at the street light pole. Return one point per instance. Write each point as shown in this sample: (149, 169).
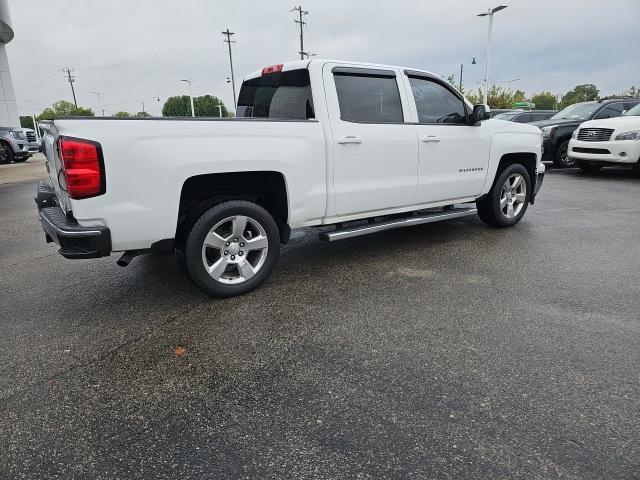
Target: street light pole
(487, 52)
(473, 62)
(189, 81)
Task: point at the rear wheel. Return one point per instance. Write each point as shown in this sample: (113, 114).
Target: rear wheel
(6, 153)
(562, 158)
(636, 169)
(588, 167)
(508, 199)
(232, 248)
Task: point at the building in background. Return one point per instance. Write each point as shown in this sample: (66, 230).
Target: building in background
(8, 106)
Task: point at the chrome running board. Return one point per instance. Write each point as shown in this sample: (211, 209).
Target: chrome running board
(417, 219)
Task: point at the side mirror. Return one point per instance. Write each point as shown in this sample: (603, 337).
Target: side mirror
(480, 113)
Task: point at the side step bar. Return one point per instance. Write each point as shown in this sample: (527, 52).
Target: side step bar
(419, 219)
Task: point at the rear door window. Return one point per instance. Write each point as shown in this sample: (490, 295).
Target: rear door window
(368, 97)
(277, 95)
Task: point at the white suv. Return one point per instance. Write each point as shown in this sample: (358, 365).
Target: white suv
(610, 141)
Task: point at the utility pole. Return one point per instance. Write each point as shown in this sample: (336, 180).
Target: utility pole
(143, 110)
(227, 33)
(301, 23)
(487, 52)
(189, 81)
(99, 95)
(71, 79)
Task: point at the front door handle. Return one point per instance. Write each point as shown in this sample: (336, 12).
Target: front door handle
(431, 139)
(349, 139)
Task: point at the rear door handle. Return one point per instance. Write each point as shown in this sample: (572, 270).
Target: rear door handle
(431, 139)
(349, 139)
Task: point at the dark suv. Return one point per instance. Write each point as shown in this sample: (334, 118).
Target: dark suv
(556, 132)
(525, 116)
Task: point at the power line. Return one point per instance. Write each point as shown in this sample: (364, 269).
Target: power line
(228, 41)
(72, 79)
(302, 23)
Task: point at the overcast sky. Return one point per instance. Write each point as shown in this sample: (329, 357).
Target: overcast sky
(135, 50)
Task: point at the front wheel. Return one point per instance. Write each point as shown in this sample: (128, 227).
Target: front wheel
(232, 248)
(562, 158)
(508, 199)
(6, 153)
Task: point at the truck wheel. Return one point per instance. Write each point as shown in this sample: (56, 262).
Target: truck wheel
(508, 199)
(562, 158)
(588, 167)
(232, 248)
(636, 169)
(6, 153)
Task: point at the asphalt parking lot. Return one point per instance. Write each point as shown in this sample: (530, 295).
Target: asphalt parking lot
(441, 351)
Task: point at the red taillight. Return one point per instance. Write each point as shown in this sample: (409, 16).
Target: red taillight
(83, 167)
(272, 69)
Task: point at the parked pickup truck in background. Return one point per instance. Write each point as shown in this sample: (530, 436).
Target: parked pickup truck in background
(608, 142)
(349, 148)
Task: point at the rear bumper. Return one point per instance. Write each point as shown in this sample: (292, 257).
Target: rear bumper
(75, 241)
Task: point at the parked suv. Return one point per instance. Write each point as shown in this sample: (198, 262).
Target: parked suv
(526, 116)
(17, 144)
(557, 131)
(611, 141)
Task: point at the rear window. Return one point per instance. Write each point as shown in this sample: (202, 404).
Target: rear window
(277, 95)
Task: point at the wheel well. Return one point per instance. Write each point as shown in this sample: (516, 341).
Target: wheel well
(526, 159)
(199, 193)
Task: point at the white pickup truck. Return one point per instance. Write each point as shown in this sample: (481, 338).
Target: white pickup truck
(351, 148)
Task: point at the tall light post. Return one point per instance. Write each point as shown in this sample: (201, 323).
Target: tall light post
(487, 52)
(99, 95)
(193, 111)
(473, 62)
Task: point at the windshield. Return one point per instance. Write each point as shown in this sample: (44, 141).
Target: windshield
(577, 111)
(506, 115)
(633, 112)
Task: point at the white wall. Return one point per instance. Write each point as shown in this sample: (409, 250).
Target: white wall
(8, 106)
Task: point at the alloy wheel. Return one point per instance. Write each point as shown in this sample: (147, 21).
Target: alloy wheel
(513, 196)
(235, 249)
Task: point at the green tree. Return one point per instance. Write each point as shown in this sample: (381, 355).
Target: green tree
(581, 93)
(519, 96)
(499, 97)
(142, 115)
(63, 108)
(544, 101)
(206, 106)
(122, 114)
(632, 92)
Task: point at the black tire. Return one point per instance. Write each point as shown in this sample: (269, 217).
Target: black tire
(588, 167)
(636, 169)
(489, 209)
(194, 256)
(6, 153)
(562, 158)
